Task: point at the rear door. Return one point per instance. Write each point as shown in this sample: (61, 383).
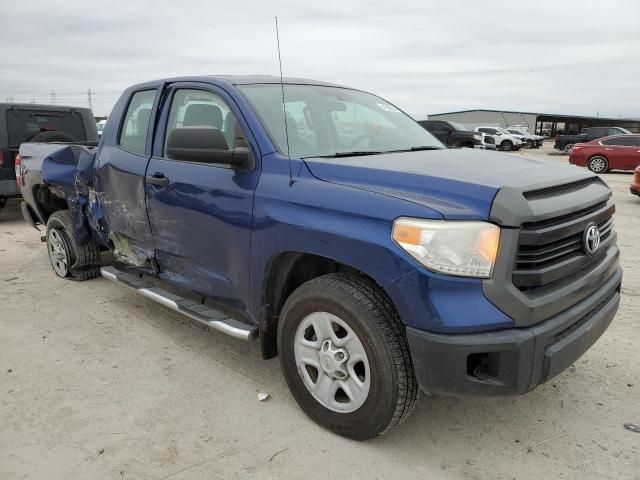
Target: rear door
(201, 217)
(120, 179)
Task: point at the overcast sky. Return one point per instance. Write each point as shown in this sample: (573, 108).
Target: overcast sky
(426, 56)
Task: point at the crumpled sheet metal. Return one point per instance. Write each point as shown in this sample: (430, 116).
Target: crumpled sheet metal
(70, 170)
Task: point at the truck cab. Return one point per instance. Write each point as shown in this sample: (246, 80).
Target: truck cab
(455, 135)
(37, 123)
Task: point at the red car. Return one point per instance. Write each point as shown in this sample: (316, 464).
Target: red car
(635, 185)
(620, 152)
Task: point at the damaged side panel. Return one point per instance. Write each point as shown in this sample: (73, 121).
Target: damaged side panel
(117, 219)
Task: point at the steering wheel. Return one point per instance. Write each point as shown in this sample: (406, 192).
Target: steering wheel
(360, 138)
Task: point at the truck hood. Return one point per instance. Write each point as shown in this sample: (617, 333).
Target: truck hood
(458, 183)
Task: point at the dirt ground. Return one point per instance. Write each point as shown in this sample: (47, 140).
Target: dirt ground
(98, 383)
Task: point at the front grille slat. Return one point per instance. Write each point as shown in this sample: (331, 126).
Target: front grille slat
(573, 226)
(552, 249)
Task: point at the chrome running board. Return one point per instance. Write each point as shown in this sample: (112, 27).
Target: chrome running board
(197, 311)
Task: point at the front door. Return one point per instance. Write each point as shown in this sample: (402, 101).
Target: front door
(201, 213)
(630, 155)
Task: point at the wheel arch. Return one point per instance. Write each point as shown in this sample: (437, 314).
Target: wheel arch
(284, 273)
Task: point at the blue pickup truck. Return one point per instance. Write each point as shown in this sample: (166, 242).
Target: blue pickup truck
(325, 222)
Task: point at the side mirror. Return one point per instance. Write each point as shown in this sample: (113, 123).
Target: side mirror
(204, 145)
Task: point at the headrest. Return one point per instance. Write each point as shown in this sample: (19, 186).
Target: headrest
(203, 115)
(142, 122)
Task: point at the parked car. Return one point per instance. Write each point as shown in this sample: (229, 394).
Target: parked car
(620, 152)
(635, 184)
(566, 142)
(455, 135)
(100, 126)
(36, 123)
(371, 264)
(504, 140)
(531, 140)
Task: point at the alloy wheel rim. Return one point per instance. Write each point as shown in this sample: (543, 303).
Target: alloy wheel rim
(58, 253)
(597, 164)
(332, 362)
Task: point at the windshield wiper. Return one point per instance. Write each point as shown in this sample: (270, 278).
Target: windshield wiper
(346, 154)
(421, 147)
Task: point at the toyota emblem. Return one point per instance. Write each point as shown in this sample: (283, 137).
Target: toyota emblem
(591, 239)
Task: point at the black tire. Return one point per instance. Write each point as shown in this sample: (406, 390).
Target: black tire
(598, 164)
(53, 136)
(368, 312)
(506, 146)
(83, 261)
(529, 143)
(568, 148)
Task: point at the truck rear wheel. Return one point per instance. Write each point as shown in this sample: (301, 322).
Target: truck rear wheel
(568, 148)
(345, 356)
(67, 257)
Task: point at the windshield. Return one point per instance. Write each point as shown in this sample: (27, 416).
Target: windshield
(329, 121)
(459, 127)
(502, 130)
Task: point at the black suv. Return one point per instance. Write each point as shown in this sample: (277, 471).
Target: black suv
(455, 135)
(37, 123)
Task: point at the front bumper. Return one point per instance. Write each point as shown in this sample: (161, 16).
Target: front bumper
(515, 360)
(9, 188)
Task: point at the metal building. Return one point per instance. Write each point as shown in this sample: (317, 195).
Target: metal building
(539, 123)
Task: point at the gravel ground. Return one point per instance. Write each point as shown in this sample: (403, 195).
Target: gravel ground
(98, 383)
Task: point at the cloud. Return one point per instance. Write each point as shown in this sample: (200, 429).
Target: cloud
(427, 57)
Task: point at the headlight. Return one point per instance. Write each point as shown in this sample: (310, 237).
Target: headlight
(477, 136)
(466, 249)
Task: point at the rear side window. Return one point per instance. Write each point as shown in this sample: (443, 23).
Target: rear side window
(136, 122)
(24, 125)
(624, 141)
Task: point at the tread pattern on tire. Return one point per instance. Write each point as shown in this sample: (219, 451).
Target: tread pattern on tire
(387, 320)
(87, 256)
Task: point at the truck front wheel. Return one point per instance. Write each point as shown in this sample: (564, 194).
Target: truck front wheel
(67, 257)
(345, 356)
(506, 145)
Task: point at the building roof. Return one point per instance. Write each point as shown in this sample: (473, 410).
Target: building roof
(539, 114)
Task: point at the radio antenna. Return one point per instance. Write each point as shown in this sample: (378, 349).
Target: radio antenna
(284, 111)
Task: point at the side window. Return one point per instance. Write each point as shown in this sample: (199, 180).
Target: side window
(198, 108)
(612, 141)
(623, 141)
(613, 131)
(484, 130)
(136, 122)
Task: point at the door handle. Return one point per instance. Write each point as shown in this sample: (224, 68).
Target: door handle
(158, 179)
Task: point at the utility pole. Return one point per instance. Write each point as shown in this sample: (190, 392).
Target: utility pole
(9, 99)
(89, 98)
(53, 97)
